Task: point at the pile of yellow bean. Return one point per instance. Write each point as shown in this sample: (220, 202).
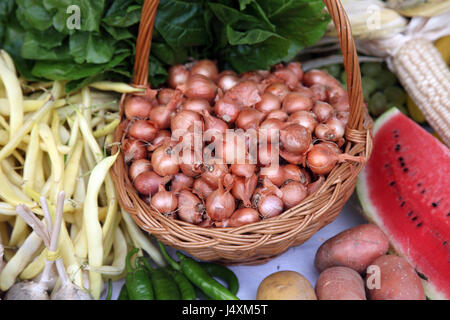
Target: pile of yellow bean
(52, 141)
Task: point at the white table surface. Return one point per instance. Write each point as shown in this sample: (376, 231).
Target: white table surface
(299, 259)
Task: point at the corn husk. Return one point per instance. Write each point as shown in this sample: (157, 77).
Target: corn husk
(370, 19)
(419, 8)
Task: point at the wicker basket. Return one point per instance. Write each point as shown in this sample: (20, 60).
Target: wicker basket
(258, 242)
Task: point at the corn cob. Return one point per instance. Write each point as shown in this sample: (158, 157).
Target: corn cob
(422, 8)
(424, 74)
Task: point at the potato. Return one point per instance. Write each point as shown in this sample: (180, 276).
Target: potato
(355, 248)
(397, 280)
(340, 283)
(285, 285)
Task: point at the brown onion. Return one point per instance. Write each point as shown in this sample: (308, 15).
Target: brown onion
(293, 193)
(161, 116)
(240, 217)
(143, 130)
(343, 116)
(197, 105)
(323, 111)
(220, 204)
(267, 156)
(227, 109)
(178, 75)
(296, 101)
(295, 173)
(305, 91)
(134, 150)
(139, 166)
(212, 173)
(270, 129)
(216, 125)
(275, 174)
(161, 136)
(288, 76)
(136, 106)
(337, 128)
(164, 202)
(164, 162)
(268, 103)
(206, 68)
(323, 132)
(183, 120)
(243, 188)
(246, 93)
(340, 103)
(249, 118)
(199, 86)
(279, 90)
(296, 67)
(277, 114)
(322, 158)
(188, 165)
(293, 158)
(296, 138)
(190, 207)
(306, 119)
(320, 92)
(201, 188)
(180, 182)
(227, 81)
(243, 170)
(165, 95)
(148, 182)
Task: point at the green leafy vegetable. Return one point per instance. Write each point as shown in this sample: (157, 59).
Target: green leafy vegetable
(240, 34)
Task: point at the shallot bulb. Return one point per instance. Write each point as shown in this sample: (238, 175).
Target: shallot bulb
(201, 188)
(275, 174)
(306, 119)
(133, 150)
(245, 170)
(337, 128)
(278, 89)
(227, 109)
(164, 202)
(246, 93)
(288, 76)
(212, 173)
(214, 124)
(143, 130)
(322, 158)
(199, 86)
(277, 114)
(293, 158)
(296, 67)
(161, 137)
(323, 111)
(323, 132)
(197, 105)
(183, 120)
(341, 103)
(190, 207)
(268, 103)
(137, 107)
(268, 203)
(320, 92)
(206, 68)
(296, 101)
(161, 115)
(165, 95)
(164, 162)
(220, 204)
(305, 91)
(180, 182)
(295, 173)
(178, 75)
(139, 166)
(243, 189)
(314, 186)
(249, 118)
(293, 193)
(296, 138)
(227, 81)
(240, 218)
(148, 182)
(188, 165)
(270, 128)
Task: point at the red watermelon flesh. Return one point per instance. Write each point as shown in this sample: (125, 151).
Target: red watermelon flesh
(405, 189)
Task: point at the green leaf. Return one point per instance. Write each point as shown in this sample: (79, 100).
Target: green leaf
(122, 13)
(33, 50)
(251, 37)
(91, 48)
(33, 13)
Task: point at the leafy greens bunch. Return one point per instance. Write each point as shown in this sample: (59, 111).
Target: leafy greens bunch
(240, 34)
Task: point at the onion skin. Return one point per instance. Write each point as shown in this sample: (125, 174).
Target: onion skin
(227, 81)
(212, 173)
(199, 86)
(277, 114)
(296, 138)
(296, 101)
(137, 107)
(243, 189)
(275, 174)
(306, 119)
(288, 76)
(178, 75)
(139, 166)
(190, 207)
(243, 170)
(320, 92)
(163, 162)
(197, 105)
(295, 173)
(206, 68)
(270, 206)
(268, 103)
(293, 193)
(323, 111)
(246, 93)
(220, 204)
(180, 182)
(183, 120)
(296, 67)
(147, 183)
(202, 189)
(164, 202)
(214, 124)
(134, 150)
(249, 118)
(143, 130)
(240, 218)
(165, 95)
(227, 109)
(161, 116)
(279, 90)
(188, 165)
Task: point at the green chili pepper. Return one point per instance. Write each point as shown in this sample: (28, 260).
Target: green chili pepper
(109, 294)
(223, 273)
(198, 276)
(137, 280)
(123, 294)
(186, 288)
(164, 285)
(168, 258)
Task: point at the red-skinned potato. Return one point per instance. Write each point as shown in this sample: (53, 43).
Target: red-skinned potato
(397, 280)
(340, 283)
(355, 248)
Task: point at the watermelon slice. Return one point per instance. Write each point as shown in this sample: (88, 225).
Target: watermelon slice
(405, 189)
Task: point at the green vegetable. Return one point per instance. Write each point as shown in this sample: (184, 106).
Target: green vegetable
(377, 104)
(369, 86)
(186, 288)
(243, 35)
(123, 294)
(223, 273)
(198, 276)
(164, 285)
(137, 280)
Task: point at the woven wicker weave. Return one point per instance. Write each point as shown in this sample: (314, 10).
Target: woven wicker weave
(258, 242)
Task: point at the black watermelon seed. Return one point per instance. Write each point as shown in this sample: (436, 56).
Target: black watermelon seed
(397, 147)
(400, 159)
(405, 169)
(392, 183)
(423, 191)
(434, 204)
(444, 243)
(402, 164)
(402, 204)
(419, 224)
(410, 214)
(414, 218)
(419, 184)
(421, 275)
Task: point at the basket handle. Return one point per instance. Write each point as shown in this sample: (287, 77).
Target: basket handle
(344, 31)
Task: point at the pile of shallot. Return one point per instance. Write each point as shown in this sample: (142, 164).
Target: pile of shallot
(224, 150)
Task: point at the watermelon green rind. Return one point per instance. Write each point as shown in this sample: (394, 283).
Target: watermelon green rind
(371, 211)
